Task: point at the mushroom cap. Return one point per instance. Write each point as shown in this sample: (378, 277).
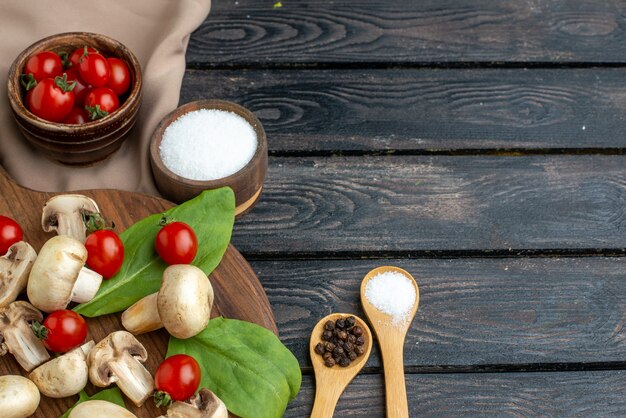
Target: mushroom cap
(65, 375)
(15, 267)
(55, 272)
(19, 397)
(65, 214)
(205, 404)
(112, 348)
(185, 300)
(100, 409)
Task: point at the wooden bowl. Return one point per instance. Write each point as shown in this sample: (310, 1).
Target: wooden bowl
(247, 183)
(77, 144)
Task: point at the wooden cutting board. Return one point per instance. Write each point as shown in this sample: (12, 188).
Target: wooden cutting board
(238, 292)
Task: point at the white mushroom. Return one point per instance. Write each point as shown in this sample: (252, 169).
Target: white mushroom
(59, 276)
(182, 305)
(17, 336)
(15, 267)
(19, 397)
(117, 359)
(205, 404)
(65, 375)
(66, 215)
(100, 409)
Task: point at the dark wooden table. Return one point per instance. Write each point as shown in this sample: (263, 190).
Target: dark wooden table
(479, 145)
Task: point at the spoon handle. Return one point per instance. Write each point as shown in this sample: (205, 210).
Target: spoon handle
(326, 398)
(395, 386)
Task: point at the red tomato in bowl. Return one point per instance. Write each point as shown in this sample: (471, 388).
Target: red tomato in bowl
(101, 101)
(105, 252)
(78, 53)
(77, 116)
(10, 233)
(80, 88)
(45, 64)
(119, 81)
(178, 376)
(94, 69)
(176, 243)
(51, 99)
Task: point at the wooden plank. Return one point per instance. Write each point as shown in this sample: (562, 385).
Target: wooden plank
(379, 205)
(573, 394)
(425, 110)
(248, 32)
(473, 312)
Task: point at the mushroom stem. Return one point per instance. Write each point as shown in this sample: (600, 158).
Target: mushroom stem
(133, 379)
(19, 338)
(142, 316)
(86, 285)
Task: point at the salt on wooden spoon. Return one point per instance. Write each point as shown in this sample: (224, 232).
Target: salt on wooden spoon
(330, 382)
(390, 297)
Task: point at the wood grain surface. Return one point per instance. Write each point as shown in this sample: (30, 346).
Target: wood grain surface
(238, 293)
(569, 394)
(363, 206)
(475, 313)
(425, 110)
(249, 32)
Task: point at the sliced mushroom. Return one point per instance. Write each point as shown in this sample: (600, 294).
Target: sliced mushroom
(117, 359)
(65, 375)
(100, 409)
(205, 404)
(182, 305)
(19, 397)
(15, 267)
(58, 275)
(18, 337)
(66, 214)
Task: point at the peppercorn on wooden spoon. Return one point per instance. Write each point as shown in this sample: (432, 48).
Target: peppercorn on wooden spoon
(330, 382)
(390, 334)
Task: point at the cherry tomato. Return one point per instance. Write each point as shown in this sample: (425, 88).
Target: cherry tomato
(10, 233)
(51, 99)
(119, 81)
(77, 116)
(101, 101)
(176, 243)
(178, 376)
(65, 330)
(105, 252)
(80, 88)
(94, 69)
(45, 64)
(78, 53)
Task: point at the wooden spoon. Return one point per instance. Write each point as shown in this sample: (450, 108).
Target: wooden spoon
(390, 336)
(330, 382)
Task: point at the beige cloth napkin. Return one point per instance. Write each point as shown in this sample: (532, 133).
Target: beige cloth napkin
(157, 31)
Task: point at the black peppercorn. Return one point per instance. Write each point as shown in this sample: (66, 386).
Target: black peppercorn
(328, 346)
(359, 350)
(348, 346)
(338, 351)
(329, 326)
(341, 323)
(350, 321)
(352, 355)
(360, 340)
(329, 362)
(342, 335)
(327, 335)
(344, 362)
(327, 355)
(334, 339)
(357, 330)
(351, 338)
(320, 348)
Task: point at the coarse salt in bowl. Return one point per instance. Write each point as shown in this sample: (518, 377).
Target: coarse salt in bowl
(208, 144)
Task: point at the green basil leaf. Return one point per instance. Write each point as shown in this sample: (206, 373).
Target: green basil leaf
(211, 215)
(245, 365)
(112, 395)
